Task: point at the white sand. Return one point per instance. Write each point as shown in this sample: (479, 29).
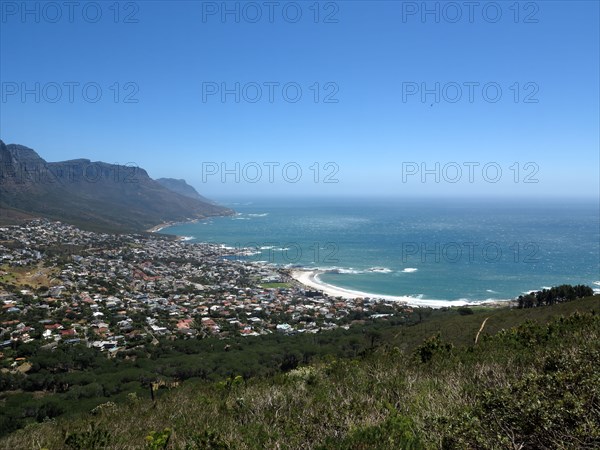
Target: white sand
(310, 278)
(158, 228)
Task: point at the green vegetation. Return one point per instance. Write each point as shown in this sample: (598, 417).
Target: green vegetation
(556, 294)
(530, 381)
(275, 285)
(33, 277)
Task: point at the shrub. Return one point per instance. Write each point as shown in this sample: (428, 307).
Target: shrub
(395, 432)
(432, 346)
(465, 311)
(157, 440)
(92, 439)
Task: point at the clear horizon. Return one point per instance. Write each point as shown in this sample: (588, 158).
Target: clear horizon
(423, 179)
(434, 101)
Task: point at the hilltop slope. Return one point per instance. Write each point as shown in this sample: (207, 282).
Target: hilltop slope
(93, 195)
(182, 188)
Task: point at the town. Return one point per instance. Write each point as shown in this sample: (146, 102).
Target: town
(60, 284)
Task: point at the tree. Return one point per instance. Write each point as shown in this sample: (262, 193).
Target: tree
(431, 346)
(290, 362)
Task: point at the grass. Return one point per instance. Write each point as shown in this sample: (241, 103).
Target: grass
(530, 381)
(275, 285)
(34, 276)
(461, 330)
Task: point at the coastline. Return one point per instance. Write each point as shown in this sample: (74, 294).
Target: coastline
(157, 228)
(310, 278)
(162, 226)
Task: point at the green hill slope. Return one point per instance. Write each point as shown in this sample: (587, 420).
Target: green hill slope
(531, 381)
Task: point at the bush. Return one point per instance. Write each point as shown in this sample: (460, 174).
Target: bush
(48, 409)
(157, 440)
(206, 441)
(88, 440)
(396, 432)
(433, 345)
(552, 405)
(465, 311)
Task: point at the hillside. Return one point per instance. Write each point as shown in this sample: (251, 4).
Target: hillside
(92, 195)
(182, 188)
(531, 381)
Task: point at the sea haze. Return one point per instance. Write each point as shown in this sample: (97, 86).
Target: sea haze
(431, 249)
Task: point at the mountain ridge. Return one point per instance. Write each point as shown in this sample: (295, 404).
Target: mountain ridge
(94, 195)
(181, 187)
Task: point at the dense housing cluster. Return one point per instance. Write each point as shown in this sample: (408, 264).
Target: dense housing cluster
(62, 284)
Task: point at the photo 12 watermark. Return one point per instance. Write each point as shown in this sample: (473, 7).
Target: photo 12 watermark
(469, 171)
(469, 92)
(524, 12)
(69, 92)
(470, 252)
(80, 171)
(269, 92)
(270, 172)
(275, 252)
(69, 12)
(270, 12)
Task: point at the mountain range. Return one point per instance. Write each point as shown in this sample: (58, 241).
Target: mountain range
(93, 195)
(182, 188)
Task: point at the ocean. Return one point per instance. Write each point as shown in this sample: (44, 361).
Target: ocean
(446, 250)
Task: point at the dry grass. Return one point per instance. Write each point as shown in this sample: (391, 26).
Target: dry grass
(36, 277)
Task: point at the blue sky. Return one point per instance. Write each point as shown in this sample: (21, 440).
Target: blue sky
(545, 61)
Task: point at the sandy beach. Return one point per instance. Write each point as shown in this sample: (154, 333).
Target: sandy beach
(310, 278)
(162, 226)
(158, 228)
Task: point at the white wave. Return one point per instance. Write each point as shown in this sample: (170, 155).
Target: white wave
(249, 253)
(187, 238)
(352, 270)
(491, 291)
(529, 291)
(333, 269)
(258, 215)
(597, 283)
(380, 270)
(271, 247)
(311, 278)
(471, 302)
(342, 270)
(409, 270)
(347, 270)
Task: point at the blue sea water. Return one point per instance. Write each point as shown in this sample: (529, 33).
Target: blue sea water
(470, 250)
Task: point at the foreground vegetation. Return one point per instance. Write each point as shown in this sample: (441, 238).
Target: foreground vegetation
(532, 380)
